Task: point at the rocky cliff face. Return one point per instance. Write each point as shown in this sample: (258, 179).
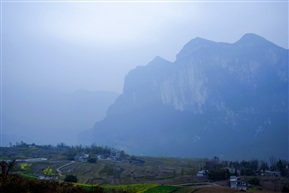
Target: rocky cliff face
(213, 96)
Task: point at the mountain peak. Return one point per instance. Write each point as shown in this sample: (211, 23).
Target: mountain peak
(194, 45)
(159, 61)
(252, 39)
(199, 41)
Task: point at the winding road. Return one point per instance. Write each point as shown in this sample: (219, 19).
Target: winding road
(58, 169)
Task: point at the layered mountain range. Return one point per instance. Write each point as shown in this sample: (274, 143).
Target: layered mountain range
(215, 99)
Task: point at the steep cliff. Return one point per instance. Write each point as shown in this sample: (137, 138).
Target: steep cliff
(217, 98)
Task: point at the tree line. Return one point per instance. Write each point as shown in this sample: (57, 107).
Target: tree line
(22, 149)
(219, 170)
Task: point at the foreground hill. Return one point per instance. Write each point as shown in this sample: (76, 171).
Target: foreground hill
(229, 100)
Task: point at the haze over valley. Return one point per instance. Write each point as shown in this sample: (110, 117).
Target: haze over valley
(152, 78)
(60, 115)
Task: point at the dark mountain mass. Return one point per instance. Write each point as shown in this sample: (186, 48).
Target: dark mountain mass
(229, 100)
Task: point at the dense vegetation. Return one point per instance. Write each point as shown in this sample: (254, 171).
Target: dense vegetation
(18, 184)
(219, 170)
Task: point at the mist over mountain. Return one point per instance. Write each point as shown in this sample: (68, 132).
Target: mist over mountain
(46, 116)
(229, 100)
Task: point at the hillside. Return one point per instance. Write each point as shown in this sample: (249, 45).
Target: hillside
(229, 100)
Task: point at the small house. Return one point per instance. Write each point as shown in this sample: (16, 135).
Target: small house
(272, 173)
(236, 183)
(233, 181)
(83, 158)
(201, 173)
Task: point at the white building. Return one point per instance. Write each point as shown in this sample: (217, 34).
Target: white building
(237, 183)
(201, 173)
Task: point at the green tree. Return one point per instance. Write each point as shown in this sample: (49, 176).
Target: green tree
(71, 178)
(281, 167)
(71, 155)
(254, 165)
(218, 174)
(122, 154)
(7, 166)
(264, 166)
(92, 160)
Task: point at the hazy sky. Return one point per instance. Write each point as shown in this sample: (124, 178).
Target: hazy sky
(93, 45)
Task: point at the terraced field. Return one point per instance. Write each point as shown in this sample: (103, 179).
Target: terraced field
(150, 170)
(38, 168)
(138, 175)
(83, 170)
(120, 173)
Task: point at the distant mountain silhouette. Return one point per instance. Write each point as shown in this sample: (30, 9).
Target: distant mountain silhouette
(44, 116)
(229, 100)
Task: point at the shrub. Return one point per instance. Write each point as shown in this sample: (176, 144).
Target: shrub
(285, 188)
(71, 178)
(92, 160)
(218, 174)
(48, 171)
(254, 181)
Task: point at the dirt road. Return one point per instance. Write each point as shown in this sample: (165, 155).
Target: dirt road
(58, 169)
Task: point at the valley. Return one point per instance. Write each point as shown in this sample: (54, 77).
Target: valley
(114, 170)
(144, 96)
